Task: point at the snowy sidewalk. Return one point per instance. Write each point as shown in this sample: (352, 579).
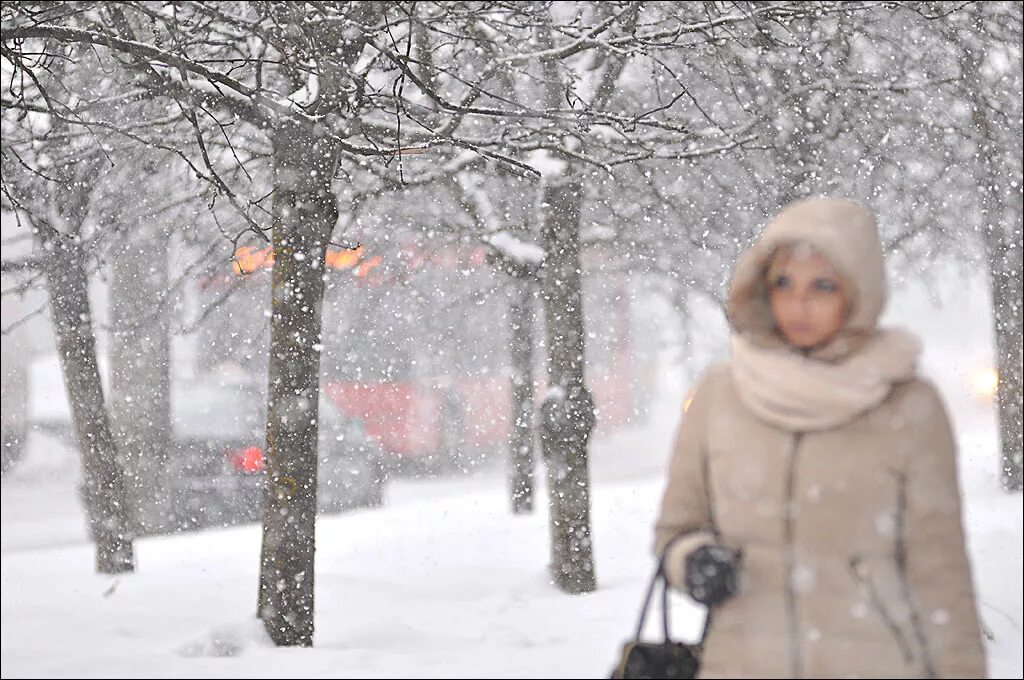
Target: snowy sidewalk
(443, 581)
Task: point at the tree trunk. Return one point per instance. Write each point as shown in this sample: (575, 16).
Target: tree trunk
(103, 486)
(1001, 233)
(567, 411)
(1005, 283)
(140, 381)
(521, 444)
(305, 213)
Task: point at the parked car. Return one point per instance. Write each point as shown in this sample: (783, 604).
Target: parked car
(216, 467)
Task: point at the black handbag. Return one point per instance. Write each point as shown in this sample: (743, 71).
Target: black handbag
(665, 659)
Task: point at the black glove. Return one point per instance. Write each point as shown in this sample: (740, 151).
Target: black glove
(711, 574)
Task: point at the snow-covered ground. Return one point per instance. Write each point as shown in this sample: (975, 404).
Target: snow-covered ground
(443, 581)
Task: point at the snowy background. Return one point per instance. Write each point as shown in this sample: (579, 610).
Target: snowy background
(142, 178)
(443, 581)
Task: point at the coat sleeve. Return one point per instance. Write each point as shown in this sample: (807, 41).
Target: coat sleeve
(938, 572)
(685, 519)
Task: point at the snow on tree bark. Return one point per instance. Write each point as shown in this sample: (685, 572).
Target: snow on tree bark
(103, 487)
(305, 212)
(567, 413)
(521, 444)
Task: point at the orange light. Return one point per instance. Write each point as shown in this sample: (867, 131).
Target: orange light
(248, 259)
(688, 399)
(367, 266)
(985, 382)
(343, 259)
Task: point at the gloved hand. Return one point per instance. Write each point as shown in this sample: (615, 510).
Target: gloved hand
(711, 574)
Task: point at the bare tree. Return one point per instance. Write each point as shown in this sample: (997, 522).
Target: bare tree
(57, 216)
(49, 182)
(989, 49)
(333, 90)
(139, 348)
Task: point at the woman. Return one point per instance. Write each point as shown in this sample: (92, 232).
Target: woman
(812, 498)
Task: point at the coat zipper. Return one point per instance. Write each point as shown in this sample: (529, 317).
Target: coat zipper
(794, 626)
(901, 565)
(860, 574)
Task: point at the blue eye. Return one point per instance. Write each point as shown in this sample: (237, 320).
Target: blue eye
(825, 285)
(781, 282)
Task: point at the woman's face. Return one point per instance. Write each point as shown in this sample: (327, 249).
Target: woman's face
(807, 298)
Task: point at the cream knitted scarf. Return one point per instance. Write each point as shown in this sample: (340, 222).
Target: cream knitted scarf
(797, 393)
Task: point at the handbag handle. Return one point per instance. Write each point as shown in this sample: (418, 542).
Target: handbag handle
(660, 578)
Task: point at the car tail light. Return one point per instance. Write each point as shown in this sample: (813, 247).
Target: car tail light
(249, 459)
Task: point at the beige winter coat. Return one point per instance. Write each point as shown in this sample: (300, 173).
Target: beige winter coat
(853, 559)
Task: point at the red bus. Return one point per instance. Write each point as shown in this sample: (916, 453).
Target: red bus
(415, 344)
